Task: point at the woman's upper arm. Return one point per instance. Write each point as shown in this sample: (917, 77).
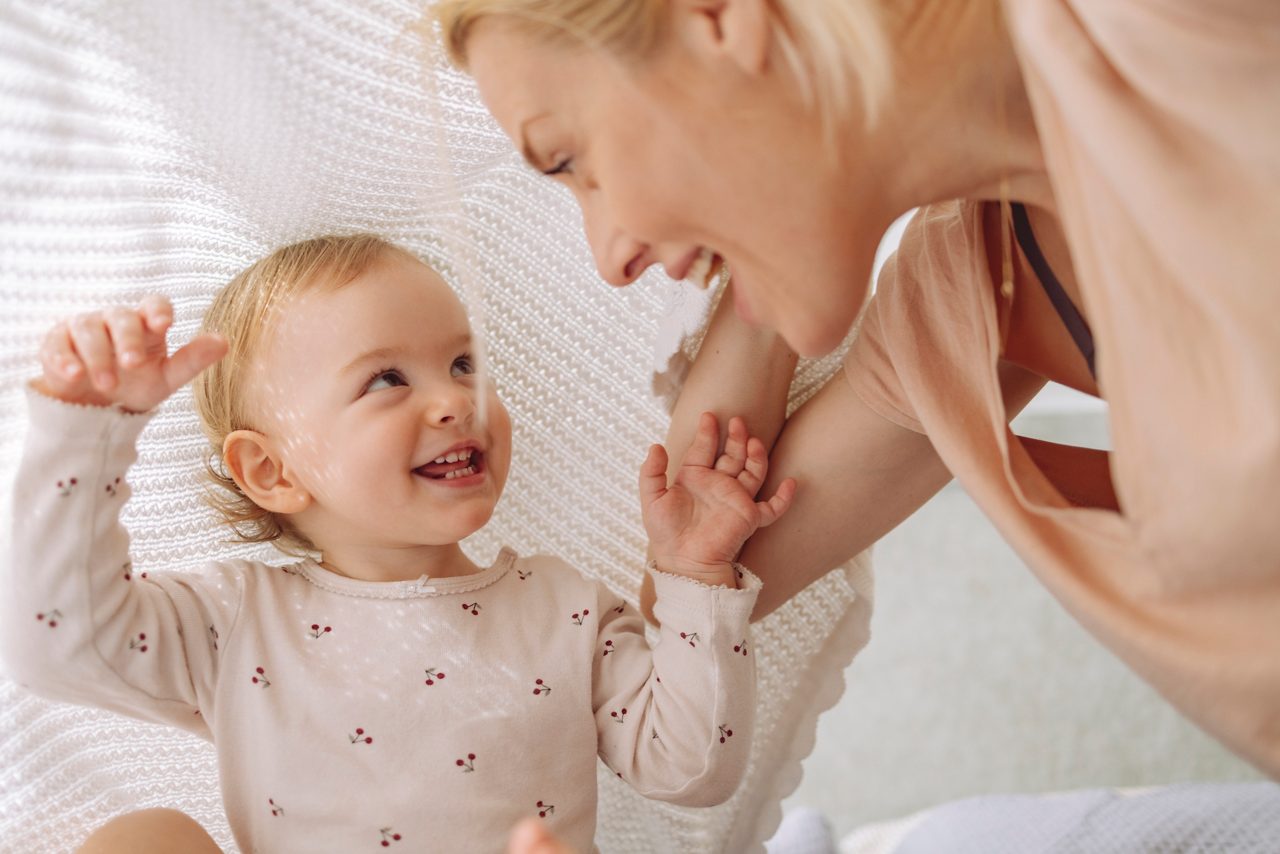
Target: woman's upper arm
(859, 475)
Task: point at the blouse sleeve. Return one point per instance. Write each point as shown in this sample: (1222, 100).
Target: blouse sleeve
(675, 722)
(79, 623)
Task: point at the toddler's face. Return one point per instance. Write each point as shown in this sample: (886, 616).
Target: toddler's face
(362, 390)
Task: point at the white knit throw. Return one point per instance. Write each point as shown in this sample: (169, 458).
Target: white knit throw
(159, 146)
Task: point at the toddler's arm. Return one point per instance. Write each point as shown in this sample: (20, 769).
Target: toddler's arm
(77, 622)
(676, 722)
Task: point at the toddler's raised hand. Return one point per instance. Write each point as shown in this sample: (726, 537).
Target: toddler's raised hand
(119, 357)
(698, 524)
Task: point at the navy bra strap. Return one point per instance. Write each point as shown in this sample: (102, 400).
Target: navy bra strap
(1071, 317)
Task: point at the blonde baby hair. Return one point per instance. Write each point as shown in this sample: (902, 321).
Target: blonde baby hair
(831, 46)
(241, 314)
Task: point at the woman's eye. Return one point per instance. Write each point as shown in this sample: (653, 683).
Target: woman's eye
(385, 379)
(564, 167)
(462, 366)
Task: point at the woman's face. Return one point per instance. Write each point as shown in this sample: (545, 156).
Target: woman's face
(703, 145)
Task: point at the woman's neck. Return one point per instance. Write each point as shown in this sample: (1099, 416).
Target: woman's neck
(956, 120)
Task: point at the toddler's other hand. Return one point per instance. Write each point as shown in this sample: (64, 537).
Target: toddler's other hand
(698, 524)
(532, 837)
(119, 357)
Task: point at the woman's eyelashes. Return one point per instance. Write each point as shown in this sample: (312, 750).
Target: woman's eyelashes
(563, 167)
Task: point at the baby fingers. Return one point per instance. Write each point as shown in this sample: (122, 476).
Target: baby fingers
(92, 344)
(63, 369)
(771, 511)
(734, 456)
(157, 313)
(198, 354)
(125, 328)
(702, 451)
(754, 467)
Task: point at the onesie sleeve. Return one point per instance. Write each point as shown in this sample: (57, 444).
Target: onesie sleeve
(77, 622)
(675, 721)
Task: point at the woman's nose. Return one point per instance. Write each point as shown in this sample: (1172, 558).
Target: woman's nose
(619, 257)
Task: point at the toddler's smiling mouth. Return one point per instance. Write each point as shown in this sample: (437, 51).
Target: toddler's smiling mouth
(458, 464)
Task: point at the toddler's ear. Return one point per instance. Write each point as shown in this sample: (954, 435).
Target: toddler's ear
(261, 475)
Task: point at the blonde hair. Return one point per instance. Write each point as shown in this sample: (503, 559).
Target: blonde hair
(833, 47)
(241, 314)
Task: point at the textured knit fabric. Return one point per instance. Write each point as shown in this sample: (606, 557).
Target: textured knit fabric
(428, 714)
(1161, 131)
(161, 146)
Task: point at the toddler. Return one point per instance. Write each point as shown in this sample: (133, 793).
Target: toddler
(382, 692)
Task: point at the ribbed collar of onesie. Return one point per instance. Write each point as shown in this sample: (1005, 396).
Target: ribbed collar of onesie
(420, 588)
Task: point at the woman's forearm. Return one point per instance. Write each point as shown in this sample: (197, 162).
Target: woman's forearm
(739, 370)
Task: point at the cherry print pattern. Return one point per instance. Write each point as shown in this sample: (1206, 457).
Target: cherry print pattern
(360, 738)
(127, 569)
(545, 809)
(691, 637)
(260, 678)
(608, 648)
(276, 809)
(540, 688)
(524, 574)
(113, 487)
(619, 609)
(473, 607)
(577, 617)
(65, 487)
(213, 638)
(741, 647)
(317, 631)
(433, 676)
(469, 764)
(619, 716)
(139, 643)
(725, 733)
(388, 836)
(52, 617)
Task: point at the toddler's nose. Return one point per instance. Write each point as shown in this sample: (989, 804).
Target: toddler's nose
(450, 407)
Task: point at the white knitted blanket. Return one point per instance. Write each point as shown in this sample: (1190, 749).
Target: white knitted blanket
(162, 145)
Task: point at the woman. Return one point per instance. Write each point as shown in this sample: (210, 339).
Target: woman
(1099, 186)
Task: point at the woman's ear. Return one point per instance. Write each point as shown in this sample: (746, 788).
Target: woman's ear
(260, 473)
(740, 30)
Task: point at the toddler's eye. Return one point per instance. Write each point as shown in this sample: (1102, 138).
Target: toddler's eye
(463, 366)
(390, 378)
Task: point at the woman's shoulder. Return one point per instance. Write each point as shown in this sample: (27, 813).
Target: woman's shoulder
(940, 268)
